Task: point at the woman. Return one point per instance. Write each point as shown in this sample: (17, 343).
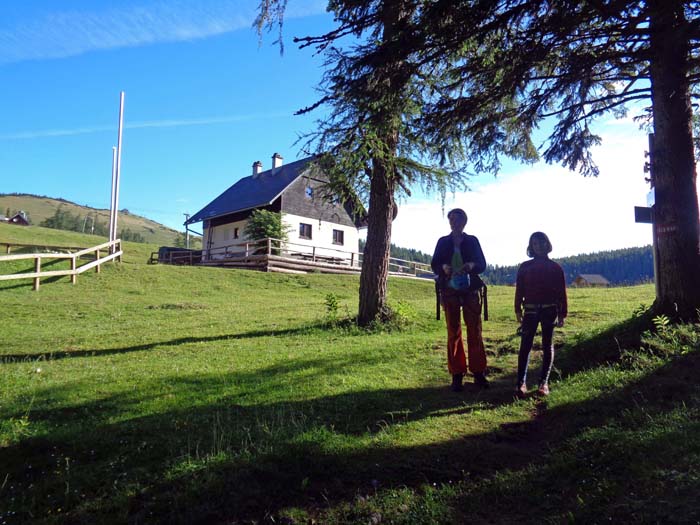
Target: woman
(458, 261)
(540, 299)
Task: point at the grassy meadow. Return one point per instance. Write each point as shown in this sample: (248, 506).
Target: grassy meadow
(165, 394)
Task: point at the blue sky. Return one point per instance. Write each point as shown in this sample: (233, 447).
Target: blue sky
(204, 101)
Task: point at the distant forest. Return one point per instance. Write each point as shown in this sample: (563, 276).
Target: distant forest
(626, 266)
(621, 267)
(407, 254)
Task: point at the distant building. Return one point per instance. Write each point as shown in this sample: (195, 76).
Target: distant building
(18, 219)
(590, 280)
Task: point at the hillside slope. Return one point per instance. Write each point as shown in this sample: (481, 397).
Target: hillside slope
(40, 208)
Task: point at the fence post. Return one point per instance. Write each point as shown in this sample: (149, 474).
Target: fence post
(73, 276)
(269, 246)
(37, 269)
(120, 249)
(97, 258)
(191, 259)
(313, 254)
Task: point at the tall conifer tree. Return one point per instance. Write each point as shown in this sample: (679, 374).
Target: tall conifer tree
(367, 144)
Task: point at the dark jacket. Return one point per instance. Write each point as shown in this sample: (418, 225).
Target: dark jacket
(541, 281)
(471, 252)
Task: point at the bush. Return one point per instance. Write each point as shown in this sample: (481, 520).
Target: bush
(263, 224)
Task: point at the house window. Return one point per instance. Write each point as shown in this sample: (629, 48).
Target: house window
(338, 237)
(309, 192)
(235, 233)
(304, 231)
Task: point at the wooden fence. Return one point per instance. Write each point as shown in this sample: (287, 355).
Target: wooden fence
(276, 255)
(113, 251)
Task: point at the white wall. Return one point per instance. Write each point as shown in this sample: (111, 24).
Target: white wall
(321, 237)
(223, 235)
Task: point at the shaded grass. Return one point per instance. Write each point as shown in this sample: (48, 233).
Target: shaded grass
(159, 394)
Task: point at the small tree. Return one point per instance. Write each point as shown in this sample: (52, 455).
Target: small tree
(263, 224)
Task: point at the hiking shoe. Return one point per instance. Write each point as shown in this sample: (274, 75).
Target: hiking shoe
(543, 390)
(457, 383)
(480, 380)
(521, 391)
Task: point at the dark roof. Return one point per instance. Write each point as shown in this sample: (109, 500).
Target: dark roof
(253, 191)
(18, 218)
(593, 278)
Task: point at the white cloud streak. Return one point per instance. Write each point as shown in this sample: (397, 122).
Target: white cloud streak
(25, 135)
(60, 34)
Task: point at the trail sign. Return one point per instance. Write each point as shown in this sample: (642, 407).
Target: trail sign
(643, 214)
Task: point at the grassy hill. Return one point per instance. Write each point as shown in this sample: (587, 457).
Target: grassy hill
(164, 394)
(40, 208)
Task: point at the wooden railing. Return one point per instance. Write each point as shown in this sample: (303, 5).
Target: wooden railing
(114, 251)
(183, 256)
(314, 254)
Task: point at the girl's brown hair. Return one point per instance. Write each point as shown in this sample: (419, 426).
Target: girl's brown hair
(541, 236)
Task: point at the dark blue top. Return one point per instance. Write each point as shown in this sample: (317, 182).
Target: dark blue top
(471, 252)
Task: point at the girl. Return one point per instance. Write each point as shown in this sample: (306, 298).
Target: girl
(540, 299)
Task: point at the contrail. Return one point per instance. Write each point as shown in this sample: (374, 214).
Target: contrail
(25, 135)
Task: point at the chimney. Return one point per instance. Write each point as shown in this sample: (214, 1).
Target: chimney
(276, 162)
(257, 167)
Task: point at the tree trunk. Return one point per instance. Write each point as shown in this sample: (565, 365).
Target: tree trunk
(676, 207)
(375, 262)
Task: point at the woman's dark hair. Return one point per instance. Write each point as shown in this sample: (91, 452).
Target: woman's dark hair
(542, 237)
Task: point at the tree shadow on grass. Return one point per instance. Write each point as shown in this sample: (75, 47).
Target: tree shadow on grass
(628, 456)
(265, 444)
(231, 460)
(62, 354)
(589, 351)
(311, 473)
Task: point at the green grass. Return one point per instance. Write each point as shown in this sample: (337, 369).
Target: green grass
(163, 394)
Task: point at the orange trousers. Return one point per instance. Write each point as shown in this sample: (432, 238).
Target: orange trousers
(469, 305)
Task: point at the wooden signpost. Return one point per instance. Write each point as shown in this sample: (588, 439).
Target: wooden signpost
(645, 214)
